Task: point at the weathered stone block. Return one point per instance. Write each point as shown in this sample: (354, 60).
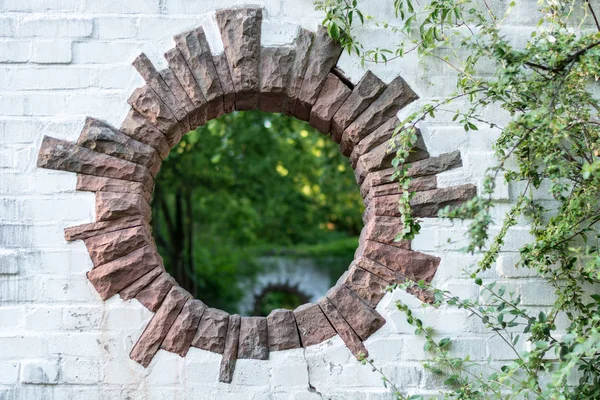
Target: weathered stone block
(416, 185)
(139, 128)
(313, 326)
(110, 246)
(90, 183)
(177, 89)
(367, 285)
(109, 279)
(395, 96)
(275, 68)
(282, 330)
(180, 67)
(342, 328)
(240, 30)
(331, 97)
(154, 334)
(84, 231)
(231, 349)
(384, 230)
(324, 54)
(153, 295)
(380, 135)
(222, 67)
(132, 290)
(364, 93)
(359, 315)
(151, 107)
(99, 136)
(117, 205)
(180, 336)
(254, 339)
(303, 45)
(212, 331)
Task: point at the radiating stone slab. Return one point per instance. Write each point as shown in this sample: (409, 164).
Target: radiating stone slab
(381, 271)
(153, 294)
(118, 205)
(254, 338)
(282, 330)
(147, 71)
(84, 231)
(212, 331)
(331, 97)
(109, 279)
(151, 107)
(180, 336)
(231, 349)
(313, 326)
(99, 136)
(342, 328)
(324, 54)
(110, 246)
(428, 182)
(196, 51)
(370, 287)
(395, 96)
(90, 183)
(139, 128)
(241, 30)
(381, 157)
(380, 135)
(222, 67)
(359, 315)
(154, 334)
(425, 167)
(66, 156)
(275, 68)
(175, 86)
(364, 93)
(303, 45)
(132, 290)
(411, 264)
(384, 230)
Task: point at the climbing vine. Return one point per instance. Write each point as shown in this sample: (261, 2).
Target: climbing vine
(547, 87)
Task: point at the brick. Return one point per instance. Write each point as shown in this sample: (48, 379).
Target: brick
(122, 7)
(15, 51)
(55, 27)
(52, 52)
(115, 27)
(40, 5)
(103, 52)
(9, 373)
(78, 371)
(40, 372)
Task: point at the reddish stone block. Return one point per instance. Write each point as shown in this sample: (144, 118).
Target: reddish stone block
(212, 331)
(231, 349)
(380, 135)
(132, 290)
(84, 231)
(275, 68)
(331, 97)
(90, 183)
(303, 45)
(254, 339)
(222, 67)
(118, 205)
(313, 326)
(139, 128)
(282, 330)
(110, 246)
(179, 337)
(153, 295)
(370, 287)
(342, 328)
(420, 184)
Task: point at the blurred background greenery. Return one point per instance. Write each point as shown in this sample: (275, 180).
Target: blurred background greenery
(248, 187)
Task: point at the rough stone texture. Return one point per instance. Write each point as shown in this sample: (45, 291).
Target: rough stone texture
(374, 139)
(147, 71)
(332, 95)
(323, 56)
(304, 42)
(367, 285)
(231, 349)
(196, 51)
(180, 336)
(428, 182)
(381, 157)
(428, 166)
(342, 328)
(254, 338)
(411, 264)
(110, 246)
(109, 279)
(153, 295)
(364, 93)
(150, 341)
(111, 205)
(384, 230)
(84, 231)
(282, 330)
(241, 31)
(66, 156)
(212, 331)
(139, 128)
(151, 107)
(275, 68)
(99, 136)
(395, 96)
(222, 67)
(132, 290)
(381, 271)
(313, 326)
(177, 89)
(359, 315)
(89, 183)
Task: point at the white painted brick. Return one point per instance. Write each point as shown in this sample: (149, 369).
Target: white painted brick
(122, 317)
(115, 27)
(288, 368)
(278, 34)
(11, 317)
(122, 372)
(251, 373)
(272, 7)
(52, 51)
(165, 27)
(81, 318)
(8, 261)
(42, 318)
(7, 26)
(117, 77)
(105, 52)
(80, 371)
(40, 371)
(122, 6)
(40, 5)
(9, 373)
(52, 78)
(18, 347)
(15, 51)
(87, 344)
(54, 27)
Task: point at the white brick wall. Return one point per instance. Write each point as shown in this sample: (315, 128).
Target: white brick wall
(61, 60)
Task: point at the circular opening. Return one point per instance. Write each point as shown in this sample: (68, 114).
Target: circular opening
(254, 200)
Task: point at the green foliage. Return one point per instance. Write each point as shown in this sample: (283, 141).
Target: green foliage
(551, 144)
(245, 185)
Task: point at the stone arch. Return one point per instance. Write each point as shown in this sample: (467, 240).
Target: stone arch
(119, 166)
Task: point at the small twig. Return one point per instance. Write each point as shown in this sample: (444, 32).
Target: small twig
(593, 14)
